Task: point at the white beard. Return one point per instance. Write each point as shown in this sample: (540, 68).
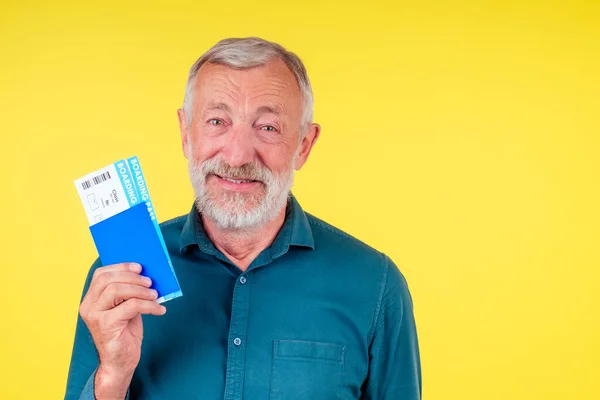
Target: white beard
(236, 210)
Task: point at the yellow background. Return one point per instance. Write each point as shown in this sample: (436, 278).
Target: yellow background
(461, 138)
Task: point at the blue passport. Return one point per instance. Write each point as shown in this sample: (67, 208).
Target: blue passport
(123, 223)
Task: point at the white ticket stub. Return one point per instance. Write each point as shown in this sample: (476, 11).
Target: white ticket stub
(107, 191)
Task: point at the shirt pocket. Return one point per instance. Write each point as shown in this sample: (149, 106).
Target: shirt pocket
(306, 370)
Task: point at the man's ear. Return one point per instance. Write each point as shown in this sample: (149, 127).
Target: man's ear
(306, 145)
(183, 128)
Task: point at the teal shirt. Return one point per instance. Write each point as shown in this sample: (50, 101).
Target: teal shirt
(317, 315)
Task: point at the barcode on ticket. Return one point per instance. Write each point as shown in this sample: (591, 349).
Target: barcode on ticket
(95, 180)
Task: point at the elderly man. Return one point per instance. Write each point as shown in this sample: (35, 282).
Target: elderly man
(277, 303)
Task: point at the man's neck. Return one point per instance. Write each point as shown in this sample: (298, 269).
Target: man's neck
(241, 247)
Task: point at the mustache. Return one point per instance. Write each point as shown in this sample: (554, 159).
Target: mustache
(250, 171)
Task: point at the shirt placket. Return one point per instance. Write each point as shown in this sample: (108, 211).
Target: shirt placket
(236, 347)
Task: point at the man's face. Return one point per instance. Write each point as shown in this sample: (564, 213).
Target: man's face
(243, 142)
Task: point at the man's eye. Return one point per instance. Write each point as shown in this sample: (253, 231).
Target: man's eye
(268, 128)
(215, 121)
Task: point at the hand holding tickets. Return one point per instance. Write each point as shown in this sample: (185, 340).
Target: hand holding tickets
(137, 274)
(111, 309)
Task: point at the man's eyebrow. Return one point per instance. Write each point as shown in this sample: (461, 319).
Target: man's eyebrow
(268, 110)
(219, 106)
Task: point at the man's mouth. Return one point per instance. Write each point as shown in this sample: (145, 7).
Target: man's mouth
(236, 180)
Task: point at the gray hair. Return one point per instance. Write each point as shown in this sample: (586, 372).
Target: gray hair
(244, 53)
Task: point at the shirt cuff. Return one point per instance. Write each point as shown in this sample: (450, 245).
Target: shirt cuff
(88, 390)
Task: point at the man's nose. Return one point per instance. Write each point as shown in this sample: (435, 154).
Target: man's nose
(239, 147)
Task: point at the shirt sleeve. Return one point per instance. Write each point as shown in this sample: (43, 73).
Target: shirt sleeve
(84, 358)
(394, 361)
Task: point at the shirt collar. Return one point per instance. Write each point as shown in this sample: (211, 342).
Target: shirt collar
(296, 231)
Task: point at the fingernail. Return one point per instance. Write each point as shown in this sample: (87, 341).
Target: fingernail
(154, 293)
(163, 309)
(147, 280)
(135, 267)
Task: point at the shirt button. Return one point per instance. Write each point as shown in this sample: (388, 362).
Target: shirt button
(243, 280)
(237, 341)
